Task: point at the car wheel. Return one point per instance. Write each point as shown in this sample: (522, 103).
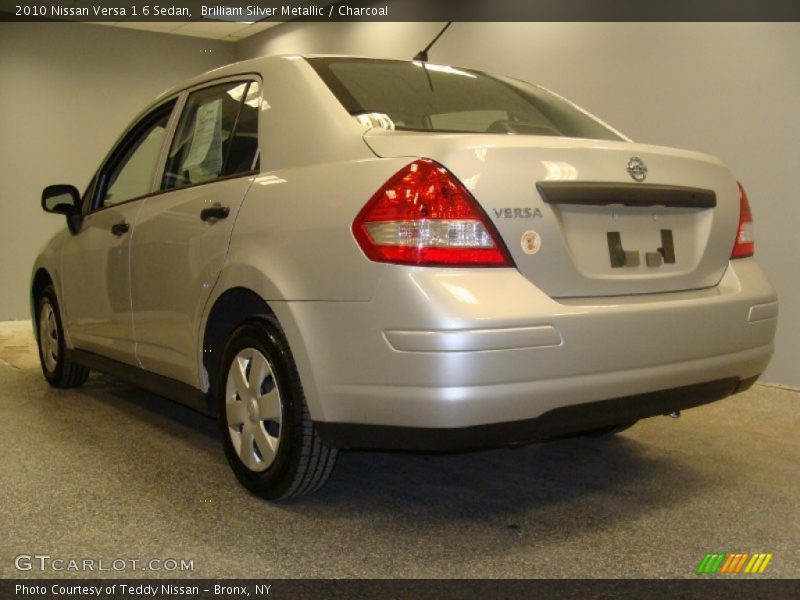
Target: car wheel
(267, 432)
(57, 369)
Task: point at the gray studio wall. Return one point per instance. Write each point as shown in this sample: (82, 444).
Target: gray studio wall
(67, 90)
(730, 89)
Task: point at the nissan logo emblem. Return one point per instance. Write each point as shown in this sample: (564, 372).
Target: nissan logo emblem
(637, 169)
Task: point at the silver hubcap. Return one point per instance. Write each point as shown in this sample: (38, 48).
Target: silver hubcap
(253, 408)
(48, 337)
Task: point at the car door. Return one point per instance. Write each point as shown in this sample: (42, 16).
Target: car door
(182, 232)
(95, 260)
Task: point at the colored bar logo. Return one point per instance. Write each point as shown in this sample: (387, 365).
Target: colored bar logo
(733, 563)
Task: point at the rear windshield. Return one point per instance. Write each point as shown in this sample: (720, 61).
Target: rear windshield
(420, 96)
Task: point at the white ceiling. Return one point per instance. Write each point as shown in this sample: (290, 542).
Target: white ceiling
(215, 30)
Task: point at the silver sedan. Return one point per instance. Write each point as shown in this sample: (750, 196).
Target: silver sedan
(337, 252)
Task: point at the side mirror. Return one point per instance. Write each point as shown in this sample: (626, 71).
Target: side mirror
(61, 200)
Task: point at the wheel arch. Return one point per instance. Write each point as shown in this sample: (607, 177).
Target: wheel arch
(232, 308)
(236, 305)
(41, 279)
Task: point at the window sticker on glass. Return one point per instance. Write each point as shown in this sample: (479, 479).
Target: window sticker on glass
(217, 135)
(205, 152)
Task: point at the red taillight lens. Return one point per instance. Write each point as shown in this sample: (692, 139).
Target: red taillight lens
(745, 242)
(424, 216)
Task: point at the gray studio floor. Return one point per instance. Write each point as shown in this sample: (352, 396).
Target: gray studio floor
(110, 472)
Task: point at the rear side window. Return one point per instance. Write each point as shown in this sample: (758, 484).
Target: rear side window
(428, 97)
(217, 135)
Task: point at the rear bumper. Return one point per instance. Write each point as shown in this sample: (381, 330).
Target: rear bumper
(454, 349)
(555, 423)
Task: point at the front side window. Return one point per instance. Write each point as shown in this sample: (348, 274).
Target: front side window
(129, 172)
(217, 135)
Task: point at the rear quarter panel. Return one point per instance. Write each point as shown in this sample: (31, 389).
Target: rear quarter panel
(292, 239)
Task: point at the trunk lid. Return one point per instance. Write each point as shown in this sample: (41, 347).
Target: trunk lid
(574, 219)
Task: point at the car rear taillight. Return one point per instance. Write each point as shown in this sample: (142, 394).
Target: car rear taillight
(745, 241)
(424, 216)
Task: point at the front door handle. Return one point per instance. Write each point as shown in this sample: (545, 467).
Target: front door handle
(120, 229)
(214, 213)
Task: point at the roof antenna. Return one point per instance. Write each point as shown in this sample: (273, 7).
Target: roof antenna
(422, 55)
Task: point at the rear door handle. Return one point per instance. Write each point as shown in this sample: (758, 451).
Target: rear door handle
(120, 229)
(214, 213)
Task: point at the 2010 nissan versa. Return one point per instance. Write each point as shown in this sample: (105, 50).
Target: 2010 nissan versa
(334, 252)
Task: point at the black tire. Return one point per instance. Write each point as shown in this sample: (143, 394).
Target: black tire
(302, 463)
(58, 370)
(610, 430)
